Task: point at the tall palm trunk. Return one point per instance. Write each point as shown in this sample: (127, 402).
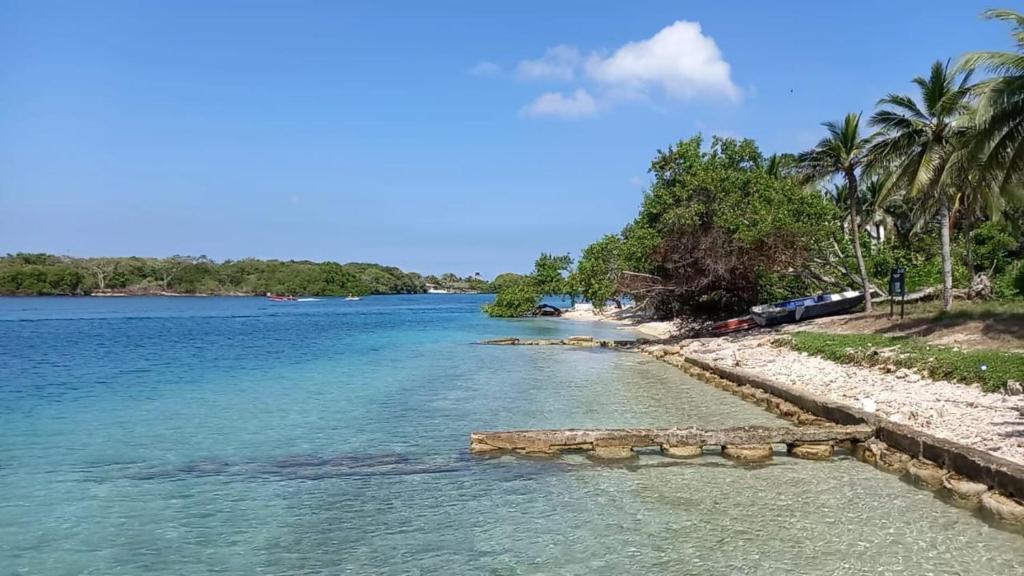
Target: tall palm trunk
(947, 257)
(851, 182)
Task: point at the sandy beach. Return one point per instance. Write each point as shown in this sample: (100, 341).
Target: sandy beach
(627, 317)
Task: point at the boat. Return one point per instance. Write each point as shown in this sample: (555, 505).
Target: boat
(352, 297)
(438, 291)
(733, 325)
(280, 298)
(807, 307)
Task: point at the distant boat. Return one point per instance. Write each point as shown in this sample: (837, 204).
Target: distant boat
(280, 298)
(351, 297)
(807, 307)
(438, 291)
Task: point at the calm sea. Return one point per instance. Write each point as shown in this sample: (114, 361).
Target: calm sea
(185, 436)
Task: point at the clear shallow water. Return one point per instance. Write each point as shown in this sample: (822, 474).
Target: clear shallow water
(237, 436)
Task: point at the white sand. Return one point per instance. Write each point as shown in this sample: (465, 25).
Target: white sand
(626, 316)
(991, 422)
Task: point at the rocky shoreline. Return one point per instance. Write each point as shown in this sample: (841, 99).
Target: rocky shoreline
(991, 422)
(951, 438)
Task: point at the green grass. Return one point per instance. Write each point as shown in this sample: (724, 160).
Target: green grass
(937, 362)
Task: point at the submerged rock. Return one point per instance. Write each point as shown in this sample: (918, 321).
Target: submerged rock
(881, 456)
(892, 460)
(963, 491)
(926, 474)
(811, 451)
(613, 452)
(681, 451)
(748, 452)
(1006, 509)
(502, 342)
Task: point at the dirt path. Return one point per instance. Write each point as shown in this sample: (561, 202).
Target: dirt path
(999, 331)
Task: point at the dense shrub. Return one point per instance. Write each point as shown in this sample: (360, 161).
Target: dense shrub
(515, 300)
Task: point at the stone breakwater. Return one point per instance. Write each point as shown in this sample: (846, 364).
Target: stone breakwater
(581, 341)
(964, 475)
(991, 422)
(747, 443)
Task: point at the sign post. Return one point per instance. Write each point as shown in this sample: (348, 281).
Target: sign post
(897, 287)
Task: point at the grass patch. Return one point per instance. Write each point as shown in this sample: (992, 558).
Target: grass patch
(937, 362)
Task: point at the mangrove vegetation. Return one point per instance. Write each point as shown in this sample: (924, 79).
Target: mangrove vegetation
(47, 274)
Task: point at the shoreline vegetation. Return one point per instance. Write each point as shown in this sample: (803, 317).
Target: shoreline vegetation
(928, 187)
(25, 274)
(931, 182)
(963, 382)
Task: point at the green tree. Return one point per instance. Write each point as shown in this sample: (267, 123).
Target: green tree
(916, 143)
(549, 273)
(599, 270)
(725, 224)
(505, 280)
(1000, 116)
(842, 154)
(515, 300)
(45, 274)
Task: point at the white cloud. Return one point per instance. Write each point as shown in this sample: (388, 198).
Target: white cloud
(485, 69)
(558, 63)
(679, 59)
(576, 105)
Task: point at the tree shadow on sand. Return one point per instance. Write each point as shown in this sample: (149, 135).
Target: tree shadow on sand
(991, 324)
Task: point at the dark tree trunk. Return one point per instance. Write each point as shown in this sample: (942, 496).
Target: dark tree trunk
(851, 182)
(947, 257)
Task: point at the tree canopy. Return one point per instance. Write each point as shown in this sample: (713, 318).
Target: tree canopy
(715, 230)
(30, 274)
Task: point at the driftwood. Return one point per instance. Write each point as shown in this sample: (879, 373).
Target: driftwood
(553, 441)
(925, 294)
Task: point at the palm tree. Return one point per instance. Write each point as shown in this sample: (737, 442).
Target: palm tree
(976, 194)
(780, 165)
(880, 216)
(1000, 142)
(915, 144)
(878, 212)
(841, 154)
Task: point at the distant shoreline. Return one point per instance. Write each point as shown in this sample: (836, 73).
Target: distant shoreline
(219, 294)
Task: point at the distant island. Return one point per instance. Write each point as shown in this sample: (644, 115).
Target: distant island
(25, 274)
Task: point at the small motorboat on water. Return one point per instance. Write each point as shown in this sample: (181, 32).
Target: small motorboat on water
(280, 298)
(805, 308)
(352, 297)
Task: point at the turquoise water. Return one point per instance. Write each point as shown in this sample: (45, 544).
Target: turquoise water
(237, 436)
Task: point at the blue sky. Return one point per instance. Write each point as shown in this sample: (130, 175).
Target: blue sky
(435, 136)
